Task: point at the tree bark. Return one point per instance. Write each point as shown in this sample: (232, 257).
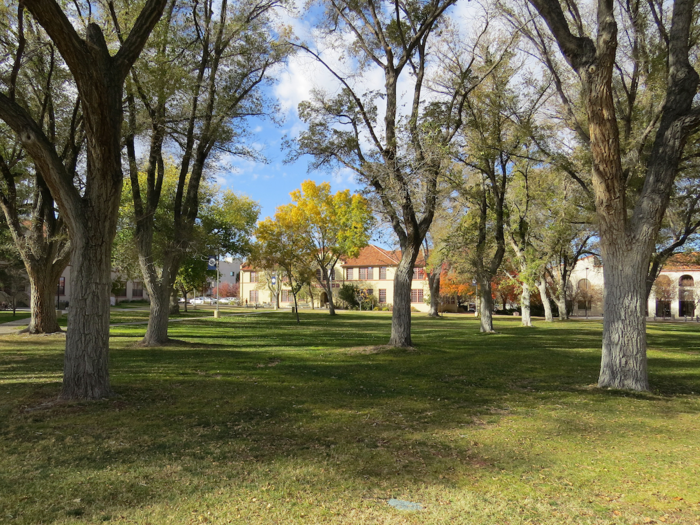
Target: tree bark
(561, 306)
(43, 282)
(401, 312)
(623, 361)
(485, 307)
(546, 303)
(525, 305)
(183, 290)
(328, 286)
(174, 303)
(90, 213)
(86, 363)
(627, 241)
(159, 314)
(434, 286)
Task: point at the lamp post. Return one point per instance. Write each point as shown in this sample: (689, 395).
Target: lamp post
(216, 314)
(213, 264)
(273, 283)
(586, 298)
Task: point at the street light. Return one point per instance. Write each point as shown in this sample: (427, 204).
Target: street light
(214, 263)
(586, 298)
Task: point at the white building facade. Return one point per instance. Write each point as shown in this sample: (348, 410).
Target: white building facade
(675, 294)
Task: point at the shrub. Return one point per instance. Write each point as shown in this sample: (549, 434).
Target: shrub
(348, 294)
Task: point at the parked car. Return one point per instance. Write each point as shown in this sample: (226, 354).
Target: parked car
(202, 300)
(229, 300)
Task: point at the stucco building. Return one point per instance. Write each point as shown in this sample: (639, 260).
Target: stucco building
(372, 270)
(676, 291)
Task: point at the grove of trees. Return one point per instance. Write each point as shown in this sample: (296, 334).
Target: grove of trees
(503, 141)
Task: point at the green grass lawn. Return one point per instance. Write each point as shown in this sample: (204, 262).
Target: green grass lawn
(118, 315)
(258, 420)
(6, 316)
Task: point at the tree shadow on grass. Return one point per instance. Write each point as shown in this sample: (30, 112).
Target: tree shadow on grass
(274, 398)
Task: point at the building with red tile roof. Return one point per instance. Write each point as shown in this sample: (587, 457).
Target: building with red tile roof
(372, 270)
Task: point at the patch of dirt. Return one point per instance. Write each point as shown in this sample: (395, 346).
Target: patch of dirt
(274, 362)
(380, 349)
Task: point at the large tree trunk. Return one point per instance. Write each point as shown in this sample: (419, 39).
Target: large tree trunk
(174, 303)
(159, 314)
(623, 362)
(485, 307)
(43, 282)
(86, 363)
(561, 300)
(546, 303)
(434, 285)
(561, 306)
(90, 210)
(401, 312)
(525, 305)
(329, 292)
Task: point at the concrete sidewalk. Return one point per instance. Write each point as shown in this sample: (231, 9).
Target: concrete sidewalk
(16, 326)
(13, 327)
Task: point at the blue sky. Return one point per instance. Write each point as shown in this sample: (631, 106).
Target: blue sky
(270, 183)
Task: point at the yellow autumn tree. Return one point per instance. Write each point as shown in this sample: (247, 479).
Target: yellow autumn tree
(329, 227)
(279, 245)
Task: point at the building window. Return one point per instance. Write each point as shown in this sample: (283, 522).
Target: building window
(253, 277)
(253, 296)
(285, 296)
(382, 272)
(62, 286)
(137, 289)
(366, 274)
(417, 296)
(418, 274)
(584, 294)
(686, 304)
(382, 296)
(348, 274)
(319, 274)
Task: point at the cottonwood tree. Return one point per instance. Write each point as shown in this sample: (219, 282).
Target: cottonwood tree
(89, 203)
(13, 277)
(190, 276)
(204, 75)
(39, 234)
(494, 144)
(521, 202)
(39, 82)
(224, 226)
(434, 263)
(400, 156)
(280, 244)
(331, 227)
(634, 164)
